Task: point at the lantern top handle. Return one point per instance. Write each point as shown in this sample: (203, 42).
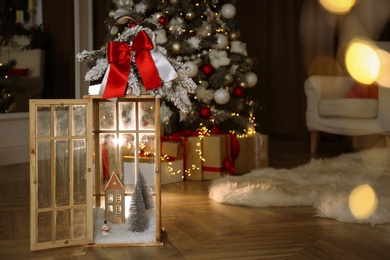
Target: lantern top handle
(121, 17)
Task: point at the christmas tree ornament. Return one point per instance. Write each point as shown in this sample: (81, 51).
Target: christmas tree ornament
(176, 47)
(219, 58)
(161, 36)
(192, 68)
(228, 79)
(250, 61)
(132, 24)
(250, 78)
(228, 11)
(190, 15)
(238, 47)
(121, 12)
(243, 83)
(239, 91)
(235, 35)
(174, 2)
(156, 15)
(162, 20)
(205, 112)
(221, 96)
(222, 41)
(114, 30)
(207, 69)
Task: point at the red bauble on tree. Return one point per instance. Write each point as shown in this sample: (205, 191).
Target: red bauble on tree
(207, 69)
(132, 24)
(239, 92)
(163, 20)
(205, 112)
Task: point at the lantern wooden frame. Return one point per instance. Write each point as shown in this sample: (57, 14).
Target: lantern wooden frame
(61, 223)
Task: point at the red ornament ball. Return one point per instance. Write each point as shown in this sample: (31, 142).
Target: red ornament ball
(163, 20)
(207, 69)
(239, 92)
(132, 24)
(205, 112)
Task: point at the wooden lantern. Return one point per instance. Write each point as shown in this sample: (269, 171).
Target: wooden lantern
(76, 146)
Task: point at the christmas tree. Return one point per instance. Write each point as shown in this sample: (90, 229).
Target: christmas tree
(204, 36)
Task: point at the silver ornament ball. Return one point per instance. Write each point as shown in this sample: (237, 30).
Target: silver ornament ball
(221, 96)
(228, 11)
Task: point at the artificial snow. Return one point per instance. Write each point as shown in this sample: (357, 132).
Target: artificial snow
(120, 234)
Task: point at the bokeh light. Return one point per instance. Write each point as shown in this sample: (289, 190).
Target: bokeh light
(338, 6)
(384, 75)
(362, 201)
(362, 61)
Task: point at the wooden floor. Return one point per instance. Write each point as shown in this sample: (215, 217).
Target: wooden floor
(199, 228)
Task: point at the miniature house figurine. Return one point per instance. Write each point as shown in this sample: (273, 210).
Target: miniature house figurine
(115, 200)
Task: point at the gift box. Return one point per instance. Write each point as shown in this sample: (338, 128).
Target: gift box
(171, 171)
(193, 158)
(241, 161)
(216, 153)
(173, 150)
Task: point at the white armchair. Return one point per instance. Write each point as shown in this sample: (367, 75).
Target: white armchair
(329, 111)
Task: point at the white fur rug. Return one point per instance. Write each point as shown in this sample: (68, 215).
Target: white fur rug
(324, 184)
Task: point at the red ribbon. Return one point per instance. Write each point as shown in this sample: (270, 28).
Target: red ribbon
(119, 57)
(229, 164)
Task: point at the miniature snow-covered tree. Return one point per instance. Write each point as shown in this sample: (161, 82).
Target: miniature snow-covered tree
(138, 220)
(141, 201)
(145, 190)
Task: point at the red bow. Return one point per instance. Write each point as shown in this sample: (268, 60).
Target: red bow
(229, 164)
(119, 57)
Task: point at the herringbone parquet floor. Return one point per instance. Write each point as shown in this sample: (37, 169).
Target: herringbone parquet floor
(199, 228)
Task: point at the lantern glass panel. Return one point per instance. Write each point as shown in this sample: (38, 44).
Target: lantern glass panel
(79, 122)
(44, 227)
(62, 173)
(44, 173)
(126, 115)
(43, 121)
(61, 120)
(79, 171)
(79, 220)
(63, 224)
(108, 155)
(147, 115)
(107, 115)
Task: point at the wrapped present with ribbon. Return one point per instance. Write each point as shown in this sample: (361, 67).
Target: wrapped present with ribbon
(172, 150)
(216, 154)
(185, 145)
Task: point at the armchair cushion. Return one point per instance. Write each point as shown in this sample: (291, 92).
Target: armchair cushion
(348, 108)
(363, 91)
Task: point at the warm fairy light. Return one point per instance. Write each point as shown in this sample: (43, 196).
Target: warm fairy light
(338, 6)
(384, 76)
(362, 201)
(362, 61)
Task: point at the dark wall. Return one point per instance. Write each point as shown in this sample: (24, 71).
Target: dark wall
(60, 59)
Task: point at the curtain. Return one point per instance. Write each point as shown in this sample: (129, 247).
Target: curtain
(271, 30)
